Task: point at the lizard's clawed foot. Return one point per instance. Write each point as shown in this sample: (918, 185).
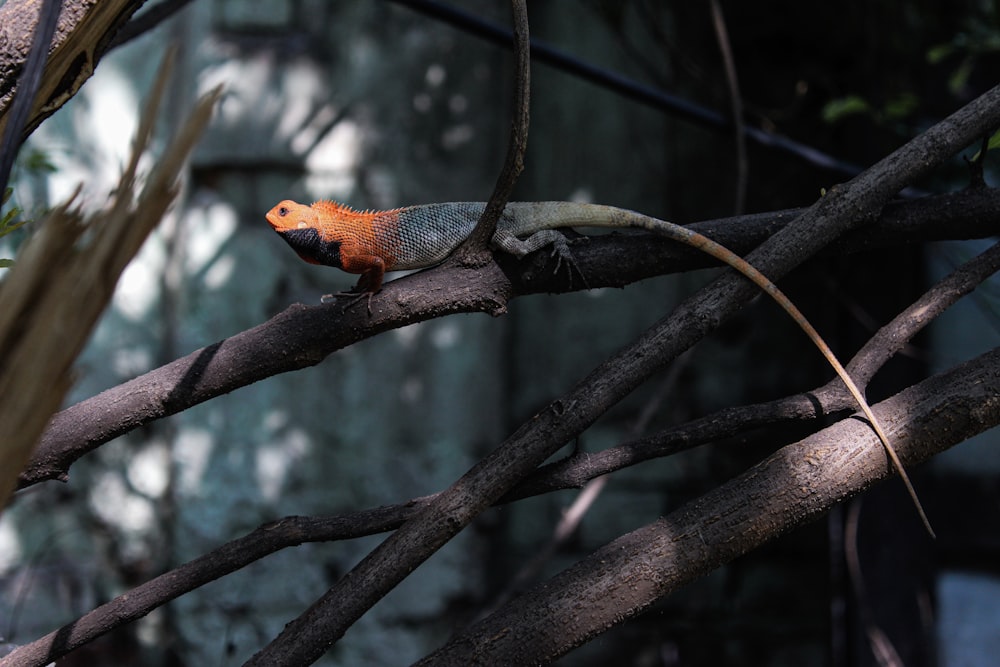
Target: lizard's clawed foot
(350, 297)
(560, 250)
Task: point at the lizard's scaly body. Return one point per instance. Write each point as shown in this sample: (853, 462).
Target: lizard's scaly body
(414, 237)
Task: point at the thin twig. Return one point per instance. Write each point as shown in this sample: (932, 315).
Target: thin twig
(882, 648)
(148, 20)
(227, 558)
(651, 96)
(735, 104)
(475, 249)
(891, 338)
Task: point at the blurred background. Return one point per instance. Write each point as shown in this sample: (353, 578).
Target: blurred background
(378, 105)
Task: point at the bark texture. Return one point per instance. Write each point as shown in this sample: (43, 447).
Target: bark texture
(83, 35)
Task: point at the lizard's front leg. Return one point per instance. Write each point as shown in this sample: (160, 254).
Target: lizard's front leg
(371, 277)
(372, 270)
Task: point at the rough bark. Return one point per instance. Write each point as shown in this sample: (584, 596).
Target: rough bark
(83, 35)
(793, 486)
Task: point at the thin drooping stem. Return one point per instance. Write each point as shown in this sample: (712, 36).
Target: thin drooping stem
(735, 103)
(517, 144)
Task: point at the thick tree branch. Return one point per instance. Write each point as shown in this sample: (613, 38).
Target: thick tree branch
(402, 552)
(615, 260)
(293, 531)
(571, 472)
(578, 469)
(793, 486)
(302, 336)
(230, 557)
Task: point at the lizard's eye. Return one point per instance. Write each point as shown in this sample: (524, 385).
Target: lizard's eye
(282, 211)
(302, 225)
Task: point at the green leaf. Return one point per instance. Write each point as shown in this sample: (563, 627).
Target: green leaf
(960, 77)
(37, 161)
(7, 229)
(991, 145)
(6, 263)
(994, 141)
(901, 106)
(7, 224)
(938, 53)
(836, 110)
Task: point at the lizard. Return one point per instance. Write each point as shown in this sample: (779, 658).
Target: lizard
(370, 243)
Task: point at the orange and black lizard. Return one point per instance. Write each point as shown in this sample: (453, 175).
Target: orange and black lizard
(370, 243)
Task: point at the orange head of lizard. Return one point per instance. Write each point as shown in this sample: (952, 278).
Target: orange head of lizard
(289, 215)
(297, 225)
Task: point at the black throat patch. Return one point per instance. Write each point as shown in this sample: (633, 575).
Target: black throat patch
(310, 247)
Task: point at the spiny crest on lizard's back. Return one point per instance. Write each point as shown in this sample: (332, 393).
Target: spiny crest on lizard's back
(343, 210)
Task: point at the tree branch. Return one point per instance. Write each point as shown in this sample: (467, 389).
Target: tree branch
(303, 336)
(475, 249)
(574, 471)
(67, 273)
(293, 531)
(891, 338)
(306, 637)
(578, 469)
(28, 82)
(230, 557)
(795, 485)
(627, 88)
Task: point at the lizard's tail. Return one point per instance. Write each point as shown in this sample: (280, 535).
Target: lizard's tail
(566, 214)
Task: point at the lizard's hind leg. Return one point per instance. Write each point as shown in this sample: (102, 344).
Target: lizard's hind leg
(512, 245)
